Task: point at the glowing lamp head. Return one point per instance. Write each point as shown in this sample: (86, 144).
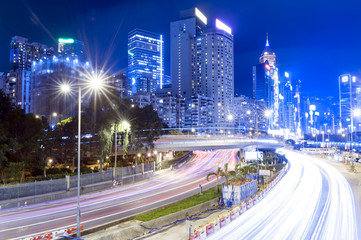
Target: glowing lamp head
(96, 82)
(268, 67)
(268, 113)
(230, 117)
(357, 112)
(65, 88)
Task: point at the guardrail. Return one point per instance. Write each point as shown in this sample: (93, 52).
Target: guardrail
(127, 174)
(56, 234)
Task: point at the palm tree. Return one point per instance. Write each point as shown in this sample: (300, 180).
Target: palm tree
(227, 174)
(218, 174)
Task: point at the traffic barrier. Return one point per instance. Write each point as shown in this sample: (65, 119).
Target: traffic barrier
(196, 236)
(228, 218)
(222, 222)
(209, 229)
(203, 233)
(56, 234)
(232, 215)
(216, 225)
(236, 212)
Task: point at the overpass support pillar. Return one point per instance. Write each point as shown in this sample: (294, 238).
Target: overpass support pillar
(241, 155)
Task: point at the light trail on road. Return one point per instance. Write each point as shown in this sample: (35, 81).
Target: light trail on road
(118, 203)
(312, 201)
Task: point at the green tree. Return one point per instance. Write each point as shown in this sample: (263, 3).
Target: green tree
(146, 126)
(227, 174)
(24, 132)
(218, 174)
(69, 130)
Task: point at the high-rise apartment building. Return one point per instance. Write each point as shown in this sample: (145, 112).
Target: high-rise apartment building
(183, 35)
(145, 61)
(48, 77)
(70, 47)
(202, 63)
(213, 71)
(349, 102)
(22, 55)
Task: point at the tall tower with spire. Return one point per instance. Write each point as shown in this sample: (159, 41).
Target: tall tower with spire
(268, 55)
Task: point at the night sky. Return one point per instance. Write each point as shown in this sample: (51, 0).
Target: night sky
(314, 40)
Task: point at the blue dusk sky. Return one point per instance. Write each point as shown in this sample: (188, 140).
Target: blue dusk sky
(314, 40)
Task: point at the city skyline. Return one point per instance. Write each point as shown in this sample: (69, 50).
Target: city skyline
(303, 49)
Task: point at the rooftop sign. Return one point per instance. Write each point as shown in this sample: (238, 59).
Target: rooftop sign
(66, 40)
(223, 26)
(201, 16)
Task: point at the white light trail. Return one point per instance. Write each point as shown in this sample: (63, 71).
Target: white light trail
(312, 201)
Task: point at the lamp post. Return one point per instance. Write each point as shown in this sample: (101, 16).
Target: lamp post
(354, 113)
(230, 118)
(138, 157)
(95, 83)
(268, 115)
(115, 152)
(328, 134)
(323, 136)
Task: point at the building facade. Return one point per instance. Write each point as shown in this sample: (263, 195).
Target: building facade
(47, 78)
(266, 84)
(145, 61)
(202, 64)
(349, 102)
(69, 47)
(183, 34)
(18, 80)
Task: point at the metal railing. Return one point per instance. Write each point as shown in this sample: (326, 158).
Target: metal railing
(123, 175)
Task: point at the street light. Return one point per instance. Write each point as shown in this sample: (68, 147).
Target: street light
(357, 112)
(124, 126)
(136, 161)
(95, 83)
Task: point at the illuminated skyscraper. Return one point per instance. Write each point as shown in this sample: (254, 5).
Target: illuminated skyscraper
(145, 61)
(349, 96)
(70, 47)
(213, 71)
(266, 83)
(268, 55)
(22, 55)
(202, 63)
(47, 78)
(183, 35)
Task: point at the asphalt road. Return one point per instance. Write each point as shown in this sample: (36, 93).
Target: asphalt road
(118, 203)
(312, 201)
